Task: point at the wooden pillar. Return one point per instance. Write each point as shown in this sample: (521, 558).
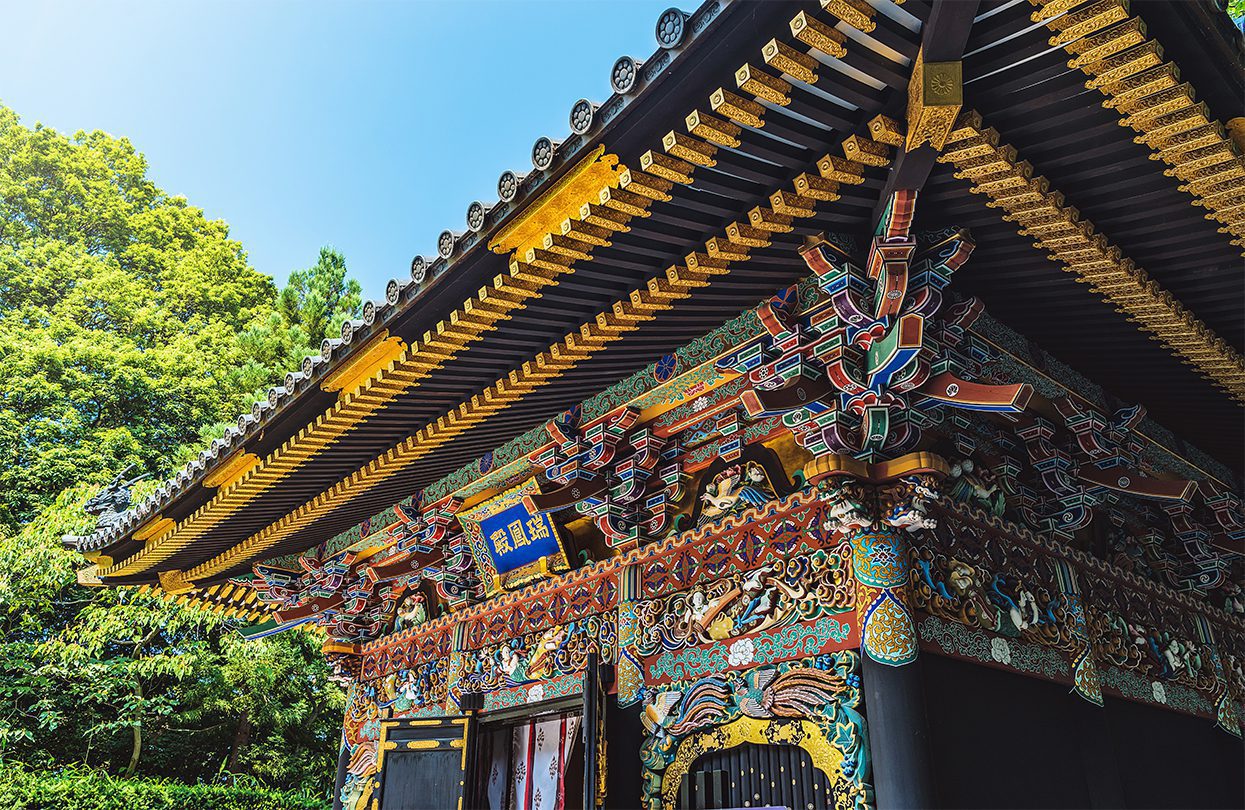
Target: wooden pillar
(890, 671)
(343, 761)
(881, 565)
(1097, 752)
(596, 699)
(898, 735)
(456, 667)
(629, 676)
(1086, 678)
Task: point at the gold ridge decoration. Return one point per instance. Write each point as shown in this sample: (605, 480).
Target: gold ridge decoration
(174, 582)
(1042, 214)
(1113, 49)
(562, 201)
(158, 525)
(380, 351)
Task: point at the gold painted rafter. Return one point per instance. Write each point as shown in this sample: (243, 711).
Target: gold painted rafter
(994, 169)
(227, 599)
(377, 374)
(626, 315)
(626, 193)
(1128, 67)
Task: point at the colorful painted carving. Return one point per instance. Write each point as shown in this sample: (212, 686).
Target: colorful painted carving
(734, 609)
(856, 374)
(627, 481)
(862, 468)
(812, 704)
(354, 594)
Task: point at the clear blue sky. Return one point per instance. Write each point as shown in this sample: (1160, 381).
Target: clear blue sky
(366, 125)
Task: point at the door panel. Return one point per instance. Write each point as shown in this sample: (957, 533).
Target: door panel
(752, 775)
(423, 762)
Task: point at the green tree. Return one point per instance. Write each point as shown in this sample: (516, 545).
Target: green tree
(131, 329)
(277, 696)
(120, 311)
(131, 326)
(136, 684)
(320, 298)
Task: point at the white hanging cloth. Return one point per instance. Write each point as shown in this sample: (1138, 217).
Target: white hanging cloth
(539, 754)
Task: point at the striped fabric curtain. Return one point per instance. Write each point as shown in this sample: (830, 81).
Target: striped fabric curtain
(531, 775)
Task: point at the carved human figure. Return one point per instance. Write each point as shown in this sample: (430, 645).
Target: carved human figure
(509, 663)
(412, 613)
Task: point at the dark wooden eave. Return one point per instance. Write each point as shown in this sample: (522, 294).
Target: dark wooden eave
(717, 197)
(1022, 87)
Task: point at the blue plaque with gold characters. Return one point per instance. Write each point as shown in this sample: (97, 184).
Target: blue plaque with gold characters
(511, 545)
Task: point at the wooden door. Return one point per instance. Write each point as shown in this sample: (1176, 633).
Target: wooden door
(423, 763)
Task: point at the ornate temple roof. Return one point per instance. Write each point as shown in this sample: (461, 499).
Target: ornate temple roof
(680, 200)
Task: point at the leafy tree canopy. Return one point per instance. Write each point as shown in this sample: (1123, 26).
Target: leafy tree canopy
(131, 328)
(130, 324)
(320, 298)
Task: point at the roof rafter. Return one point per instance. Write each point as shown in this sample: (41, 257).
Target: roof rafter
(545, 264)
(1127, 66)
(660, 293)
(373, 388)
(998, 171)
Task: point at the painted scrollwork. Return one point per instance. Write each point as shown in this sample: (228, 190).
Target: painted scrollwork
(413, 689)
(557, 650)
(360, 738)
(813, 704)
(966, 575)
(765, 599)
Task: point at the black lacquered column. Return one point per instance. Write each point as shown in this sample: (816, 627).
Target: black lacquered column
(898, 735)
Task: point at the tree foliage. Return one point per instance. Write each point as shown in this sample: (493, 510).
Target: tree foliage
(131, 328)
(86, 789)
(321, 297)
(129, 322)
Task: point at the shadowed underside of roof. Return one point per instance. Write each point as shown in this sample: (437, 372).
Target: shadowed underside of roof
(735, 62)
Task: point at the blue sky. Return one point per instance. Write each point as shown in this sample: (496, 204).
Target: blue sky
(366, 125)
